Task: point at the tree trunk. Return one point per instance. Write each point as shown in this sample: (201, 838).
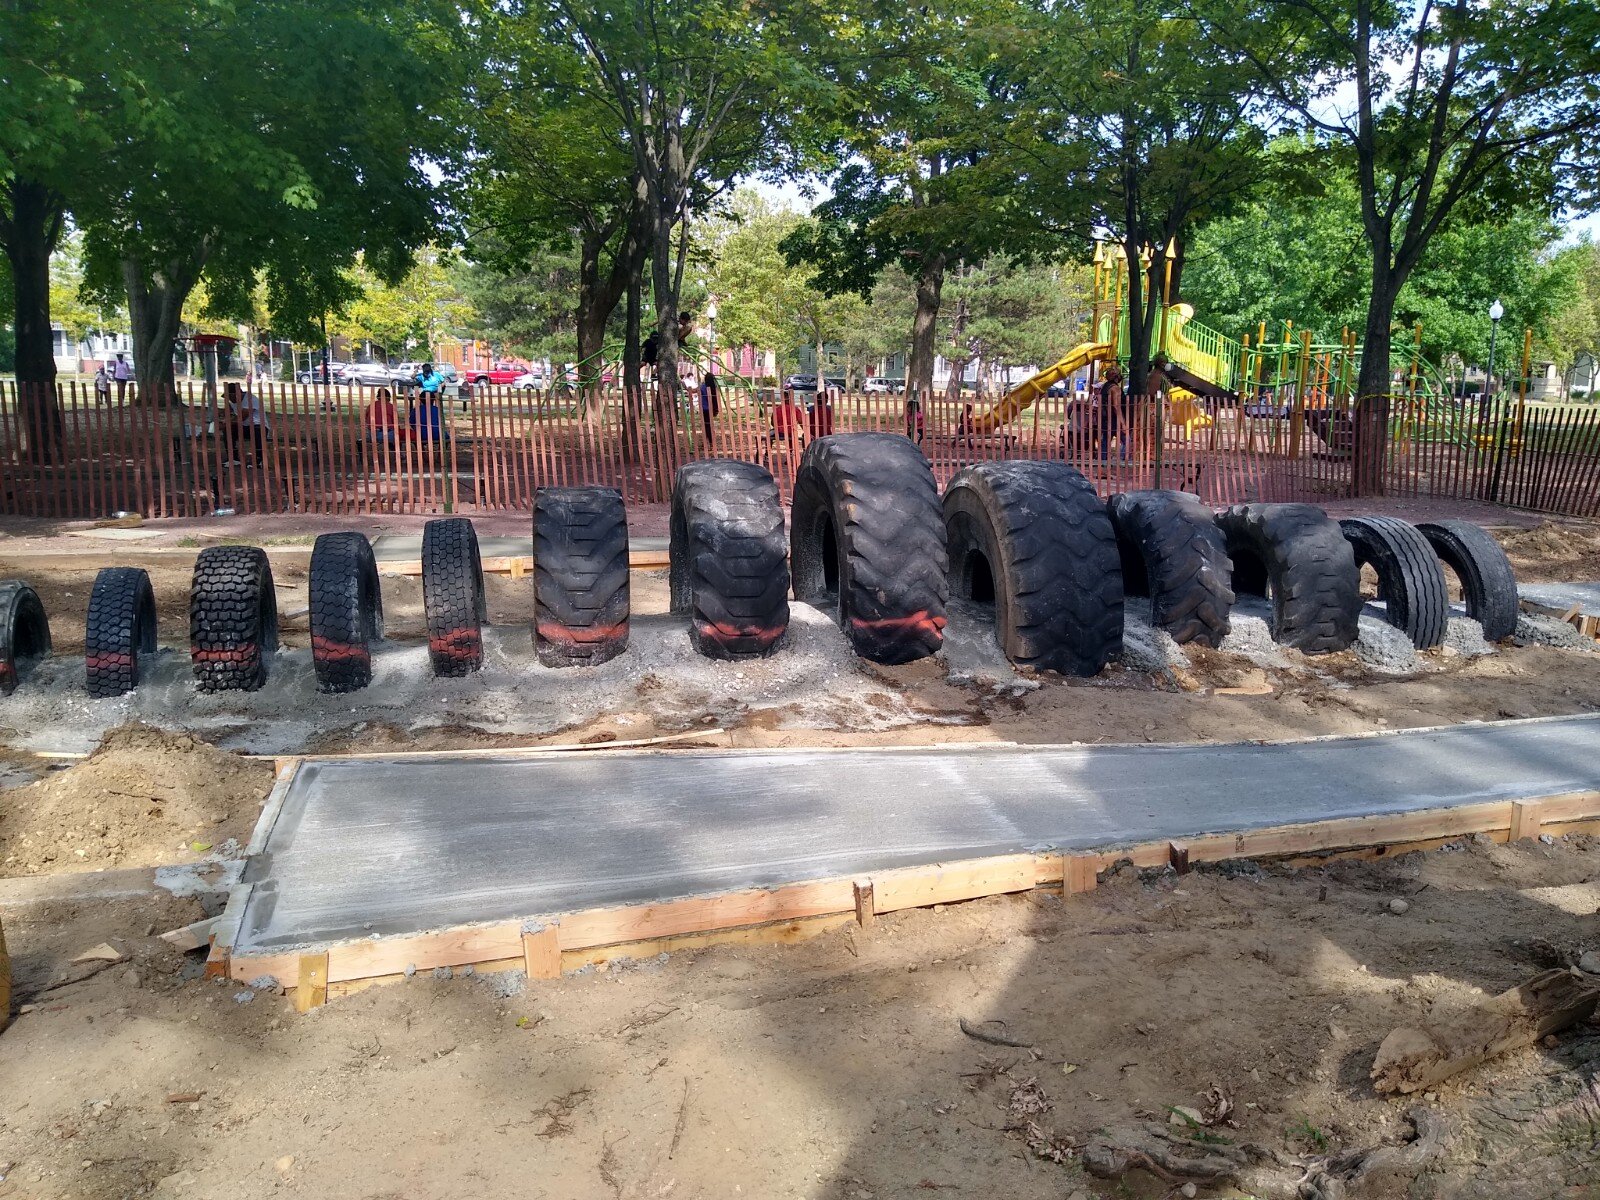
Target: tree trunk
(924, 325)
(959, 358)
(1138, 347)
(1373, 387)
(592, 313)
(31, 231)
(155, 312)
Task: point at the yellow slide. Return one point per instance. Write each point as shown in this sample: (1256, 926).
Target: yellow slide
(1024, 394)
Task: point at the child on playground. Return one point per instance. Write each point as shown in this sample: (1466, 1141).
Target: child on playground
(1108, 419)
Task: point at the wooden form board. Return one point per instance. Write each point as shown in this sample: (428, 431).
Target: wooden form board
(1585, 623)
(546, 944)
(518, 565)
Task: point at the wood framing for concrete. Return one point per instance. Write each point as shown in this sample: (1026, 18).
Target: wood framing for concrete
(543, 945)
(519, 565)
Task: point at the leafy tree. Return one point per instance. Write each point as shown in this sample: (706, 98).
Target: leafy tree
(286, 173)
(424, 305)
(529, 307)
(75, 311)
(1574, 330)
(1016, 314)
(1443, 108)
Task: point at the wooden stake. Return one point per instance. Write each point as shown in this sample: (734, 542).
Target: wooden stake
(1080, 874)
(1178, 856)
(866, 911)
(541, 953)
(1526, 817)
(312, 990)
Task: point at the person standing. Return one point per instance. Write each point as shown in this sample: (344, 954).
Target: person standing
(122, 372)
(102, 385)
(1109, 418)
(710, 402)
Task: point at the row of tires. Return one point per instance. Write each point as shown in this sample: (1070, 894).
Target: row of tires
(869, 535)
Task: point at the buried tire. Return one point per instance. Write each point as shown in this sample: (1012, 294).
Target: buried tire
(1034, 538)
(346, 608)
(233, 618)
(1487, 580)
(1410, 579)
(453, 598)
(729, 559)
(119, 630)
(1297, 555)
(1173, 552)
(24, 632)
(580, 575)
(866, 531)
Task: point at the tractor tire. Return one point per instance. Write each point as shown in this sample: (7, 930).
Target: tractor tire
(866, 535)
(453, 598)
(121, 627)
(580, 575)
(24, 632)
(1035, 539)
(1410, 580)
(233, 619)
(729, 559)
(1487, 580)
(1173, 552)
(346, 611)
(1296, 554)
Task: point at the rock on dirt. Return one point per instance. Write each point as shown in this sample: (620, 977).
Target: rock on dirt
(132, 803)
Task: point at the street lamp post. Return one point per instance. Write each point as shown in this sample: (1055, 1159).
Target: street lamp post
(711, 332)
(1496, 311)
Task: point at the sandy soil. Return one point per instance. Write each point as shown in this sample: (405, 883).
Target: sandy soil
(144, 798)
(835, 1068)
(1555, 552)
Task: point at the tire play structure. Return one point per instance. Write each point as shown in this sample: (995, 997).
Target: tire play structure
(1033, 539)
(346, 611)
(867, 537)
(1410, 580)
(233, 618)
(580, 575)
(24, 632)
(1296, 555)
(729, 560)
(453, 598)
(120, 629)
(1485, 573)
(1173, 553)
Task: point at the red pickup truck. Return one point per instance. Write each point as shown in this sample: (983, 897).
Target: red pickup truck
(499, 375)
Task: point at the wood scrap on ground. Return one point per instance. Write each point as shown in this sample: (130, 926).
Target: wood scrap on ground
(1334, 1178)
(1412, 1058)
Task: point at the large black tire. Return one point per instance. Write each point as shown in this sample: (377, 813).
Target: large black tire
(1035, 539)
(866, 534)
(121, 626)
(1296, 554)
(1173, 552)
(1487, 580)
(729, 559)
(1410, 580)
(346, 611)
(233, 618)
(24, 632)
(580, 575)
(453, 597)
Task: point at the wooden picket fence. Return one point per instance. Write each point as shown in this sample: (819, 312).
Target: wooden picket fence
(63, 455)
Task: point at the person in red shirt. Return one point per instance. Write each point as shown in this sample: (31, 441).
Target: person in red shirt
(787, 418)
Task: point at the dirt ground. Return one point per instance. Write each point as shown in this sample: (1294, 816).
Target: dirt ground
(835, 1068)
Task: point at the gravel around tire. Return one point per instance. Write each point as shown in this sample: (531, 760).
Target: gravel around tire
(24, 632)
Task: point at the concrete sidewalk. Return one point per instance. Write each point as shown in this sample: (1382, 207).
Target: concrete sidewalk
(399, 845)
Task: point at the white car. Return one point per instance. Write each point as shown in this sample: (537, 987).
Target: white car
(530, 381)
(881, 386)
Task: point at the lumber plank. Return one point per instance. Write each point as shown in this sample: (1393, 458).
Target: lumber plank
(191, 937)
(1353, 832)
(541, 953)
(1412, 1058)
(1081, 873)
(698, 914)
(946, 883)
(311, 991)
(866, 906)
(424, 951)
(781, 933)
(285, 968)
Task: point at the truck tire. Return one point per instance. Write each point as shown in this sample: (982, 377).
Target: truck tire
(1035, 539)
(729, 559)
(866, 535)
(24, 632)
(1410, 580)
(346, 611)
(453, 598)
(1173, 552)
(233, 618)
(1296, 555)
(580, 575)
(1487, 580)
(121, 626)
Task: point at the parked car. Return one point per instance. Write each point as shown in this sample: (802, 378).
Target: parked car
(314, 373)
(531, 381)
(884, 386)
(501, 375)
(801, 383)
(371, 374)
